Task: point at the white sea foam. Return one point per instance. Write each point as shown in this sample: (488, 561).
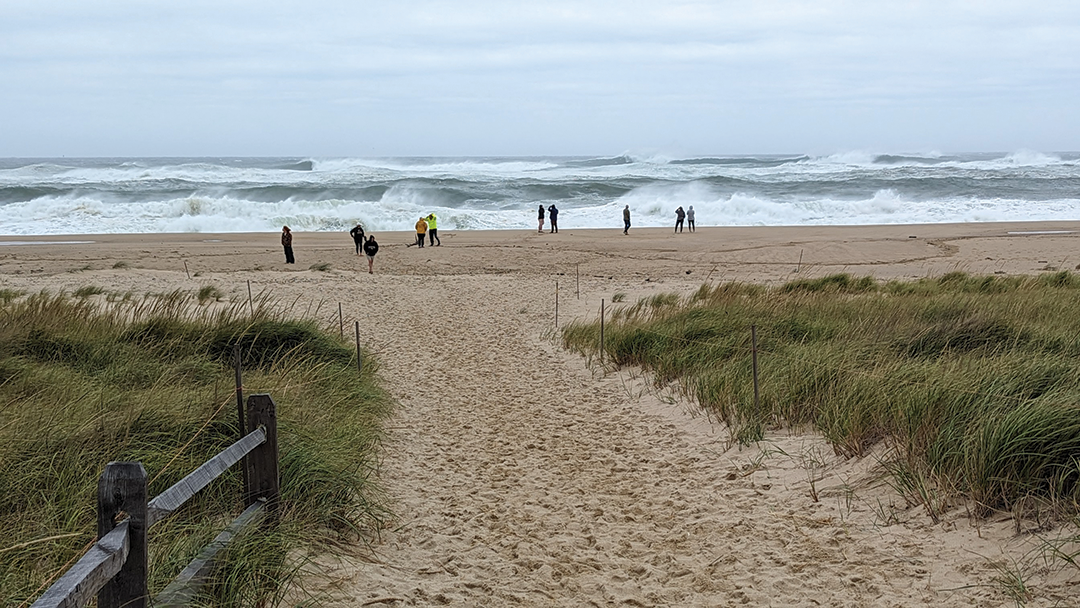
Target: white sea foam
(64, 196)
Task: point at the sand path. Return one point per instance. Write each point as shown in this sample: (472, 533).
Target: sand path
(520, 477)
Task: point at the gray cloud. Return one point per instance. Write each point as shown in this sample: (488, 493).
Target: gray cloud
(365, 78)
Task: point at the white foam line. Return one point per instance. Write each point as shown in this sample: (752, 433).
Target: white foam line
(1043, 232)
(44, 242)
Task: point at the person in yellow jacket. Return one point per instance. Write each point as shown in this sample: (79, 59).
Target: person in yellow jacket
(421, 228)
(432, 231)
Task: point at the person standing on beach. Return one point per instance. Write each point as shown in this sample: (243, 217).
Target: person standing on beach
(553, 215)
(357, 234)
(690, 218)
(370, 249)
(679, 216)
(421, 229)
(433, 232)
(286, 242)
(540, 217)
(626, 219)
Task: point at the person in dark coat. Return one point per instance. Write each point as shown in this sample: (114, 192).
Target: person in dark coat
(357, 234)
(553, 215)
(286, 243)
(370, 249)
(540, 218)
(680, 215)
(626, 219)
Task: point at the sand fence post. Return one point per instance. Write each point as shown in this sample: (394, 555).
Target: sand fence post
(577, 279)
(251, 305)
(359, 361)
(186, 270)
(601, 331)
(753, 351)
(239, 404)
(556, 306)
(340, 322)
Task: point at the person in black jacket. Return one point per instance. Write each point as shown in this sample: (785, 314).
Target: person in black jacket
(357, 234)
(680, 215)
(370, 249)
(553, 217)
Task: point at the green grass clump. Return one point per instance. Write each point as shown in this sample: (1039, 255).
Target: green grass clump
(970, 381)
(209, 293)
(151, 380)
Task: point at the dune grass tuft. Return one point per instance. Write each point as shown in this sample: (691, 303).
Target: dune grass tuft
(151, 379)
(969, 381)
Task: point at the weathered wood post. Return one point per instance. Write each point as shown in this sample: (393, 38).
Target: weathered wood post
(556, 306)
(601, 331)
(122, 490)
(340, 322)
(359, 360)
(262, 462)
(753, 350)
(251, 304)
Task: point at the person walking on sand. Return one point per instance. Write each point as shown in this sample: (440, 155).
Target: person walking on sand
(432, 231)
(679, 216)
(690, 218)
(553, 215)
(626, 219)
(370, 249)
(357, 234)
(421, 230)
(286, 243)
(540, 218)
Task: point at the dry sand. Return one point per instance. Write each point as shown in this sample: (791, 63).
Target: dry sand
(521, 475)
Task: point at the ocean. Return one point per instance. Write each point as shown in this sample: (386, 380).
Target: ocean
(154, 195)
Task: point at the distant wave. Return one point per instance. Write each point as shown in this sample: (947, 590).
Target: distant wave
(601, 162)
(741, 161)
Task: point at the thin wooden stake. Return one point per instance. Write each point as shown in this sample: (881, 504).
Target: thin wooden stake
(556, 305)
(577, 279)
(359, 363)
(753, 350)
(799, 267)
(340, 322)
(186, 270)
(240, 406)
(601, 331)
(251, 305)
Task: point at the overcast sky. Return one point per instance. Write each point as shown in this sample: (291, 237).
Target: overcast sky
(468, 77)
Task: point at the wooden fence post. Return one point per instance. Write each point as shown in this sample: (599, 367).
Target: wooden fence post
(601, 331)
(262, 462)
(753, 349)
(340, 322)
(122, 489)
(556, 306)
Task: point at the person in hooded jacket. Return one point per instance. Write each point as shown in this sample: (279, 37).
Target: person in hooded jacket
(370, 249)
(680, 215)
(553, 215)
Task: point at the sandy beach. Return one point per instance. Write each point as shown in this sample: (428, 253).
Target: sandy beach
(521, 475)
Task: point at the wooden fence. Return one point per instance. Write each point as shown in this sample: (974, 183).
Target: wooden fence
(115, 568)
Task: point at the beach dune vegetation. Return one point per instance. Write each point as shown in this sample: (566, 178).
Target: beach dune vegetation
(152, 380)
(969, 383)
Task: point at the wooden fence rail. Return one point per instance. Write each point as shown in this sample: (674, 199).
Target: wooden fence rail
(115, 567)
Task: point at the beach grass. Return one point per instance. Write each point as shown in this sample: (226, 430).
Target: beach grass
(85, 380)
(969, 383)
